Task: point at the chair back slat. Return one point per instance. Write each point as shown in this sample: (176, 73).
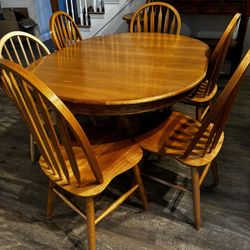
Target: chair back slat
(34, 101)
(138, 23)
(15, 51)
(172, 26)
(145, 21)
(64, 31)
(156, 17)
(225, 101)
(23, 51)
(214, 121)
(66, 141)
(152, 19)
(10, 86)
(219, 119)
(68, 32)
(217, 58)
(6, 89)
(73, 31)
(159, 25)
(58, 29)
(33, 116)
(166, 23)
(39, 50)
(31, 51)
(49, 127)
(22, 48)
(6, 50)
(64, 25)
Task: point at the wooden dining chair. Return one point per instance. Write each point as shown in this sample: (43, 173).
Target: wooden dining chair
(23, 48)
(156, 17)
(67, 158)
(206, 91)
(127, 17)
(64, 33)
(193, 143)
(63, 29)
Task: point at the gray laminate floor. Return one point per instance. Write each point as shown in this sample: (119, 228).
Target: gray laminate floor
(166, 225)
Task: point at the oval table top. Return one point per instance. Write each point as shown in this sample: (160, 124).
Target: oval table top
(124, 73)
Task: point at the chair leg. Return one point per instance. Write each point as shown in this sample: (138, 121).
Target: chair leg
(32, 148)
(137, 176)
(93, 120)
(159, 157)
(215, 172)
(90, 213)
(198, 112)
(196, 198)
(51, 197)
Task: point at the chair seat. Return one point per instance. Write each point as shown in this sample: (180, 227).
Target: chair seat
(68, 159)
(113, 159)
(201, 97)
(173, 137)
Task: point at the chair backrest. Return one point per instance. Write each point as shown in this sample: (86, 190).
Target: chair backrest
(33, 99)
(218, 56)
(206, 139)
(22, 48)
(156, 17)
(63, 29)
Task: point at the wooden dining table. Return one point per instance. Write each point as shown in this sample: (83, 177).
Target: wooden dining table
(127, 73)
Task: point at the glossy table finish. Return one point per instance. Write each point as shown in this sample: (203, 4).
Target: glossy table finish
(124, 73)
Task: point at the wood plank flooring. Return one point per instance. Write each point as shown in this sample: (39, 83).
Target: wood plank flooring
(166, 225)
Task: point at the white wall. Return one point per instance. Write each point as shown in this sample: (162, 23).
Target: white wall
(206, 26)
(39, 11)
(202, 25)
(21, 3)
(212, 26)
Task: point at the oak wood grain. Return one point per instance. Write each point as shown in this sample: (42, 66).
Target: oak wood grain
(81, 169)
(23, 48)
(193, 143)
(124, 73)
(63, 29)
(206, 91)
